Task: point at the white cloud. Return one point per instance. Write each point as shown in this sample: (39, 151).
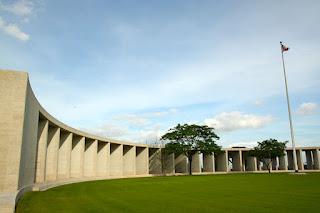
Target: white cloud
(143, 118)
(13, 30)
(109, 130)
(231, 121)
(248, 144)
(307, 108)
(20, 7)
(132, 119)
(161, 113)
(259, 103)
(150, 134)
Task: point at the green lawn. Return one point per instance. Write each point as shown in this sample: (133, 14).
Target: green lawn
(210, 193)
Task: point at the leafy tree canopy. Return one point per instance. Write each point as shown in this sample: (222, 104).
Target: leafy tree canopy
(268, 149)
(189, 139)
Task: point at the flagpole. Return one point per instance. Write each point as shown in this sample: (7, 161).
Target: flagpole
(289, 112)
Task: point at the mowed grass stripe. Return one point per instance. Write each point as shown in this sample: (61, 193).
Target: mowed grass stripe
(207, 193)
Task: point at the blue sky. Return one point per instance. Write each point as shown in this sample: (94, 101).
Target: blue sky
(133, 69)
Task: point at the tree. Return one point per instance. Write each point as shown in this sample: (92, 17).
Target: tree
(189, 139)
(268, 149)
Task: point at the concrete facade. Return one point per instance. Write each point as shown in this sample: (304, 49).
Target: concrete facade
(195, 164)
(77, 157)
(90, 158)
(221, 162)
(208, 163)
(129, 160)
(37, 150)
(64, 155)
(142, 160)
(181, 164)
(103, 159)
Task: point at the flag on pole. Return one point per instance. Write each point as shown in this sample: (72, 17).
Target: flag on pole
(284, 48)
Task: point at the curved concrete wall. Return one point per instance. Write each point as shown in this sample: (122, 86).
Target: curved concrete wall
(38, 151)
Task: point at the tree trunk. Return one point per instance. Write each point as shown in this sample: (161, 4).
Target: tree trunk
(190, 165)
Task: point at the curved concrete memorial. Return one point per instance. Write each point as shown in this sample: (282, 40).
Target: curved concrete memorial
(38, 151)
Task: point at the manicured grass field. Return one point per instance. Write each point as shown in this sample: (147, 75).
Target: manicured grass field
(210, 193)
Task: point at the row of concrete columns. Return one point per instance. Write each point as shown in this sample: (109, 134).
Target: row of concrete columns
(239, 160)
(63, 155)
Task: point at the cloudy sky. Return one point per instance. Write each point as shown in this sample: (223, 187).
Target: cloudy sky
(132, 69)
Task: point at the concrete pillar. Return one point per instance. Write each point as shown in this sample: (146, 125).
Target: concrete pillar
(90, 158)
(259, 164)
(243, 161)
(169, 163)
(52, 153)
(283, 162)
(274, 162)
(300, 159)
(208, 163)
(239, 161)
(221, 162)
(195, 164)
(129, 160)
(142, 160)
(64, 156)
(155, 161)
(290, 160)
(77, 156)
(236, 160)
(316, 158)
(42, 150)
(103, 159)
(116, 155)
(309, 159)
(181, 164)
(251, 163)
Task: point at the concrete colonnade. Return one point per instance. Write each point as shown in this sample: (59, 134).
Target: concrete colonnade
(239, 160)
(63, 155)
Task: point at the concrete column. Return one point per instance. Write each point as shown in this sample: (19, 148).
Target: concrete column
(90, 158)
(274, 162)
(181, 164)
(316, 158)
(239, 161)
(221, 162)
(259, 164)
(142, 160)
(309, 159)
(195, 164)
(77, 157)
(244, 161)
(64, 156)
(169, 163)
(42, 150)
(283, 162)
(251, 163)
(116, 154)
(208, 163)
(300, 159)
(236, 160)
(155, 161)
(129, 160)
(290, 160)
(52, 153)
(103, 159)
